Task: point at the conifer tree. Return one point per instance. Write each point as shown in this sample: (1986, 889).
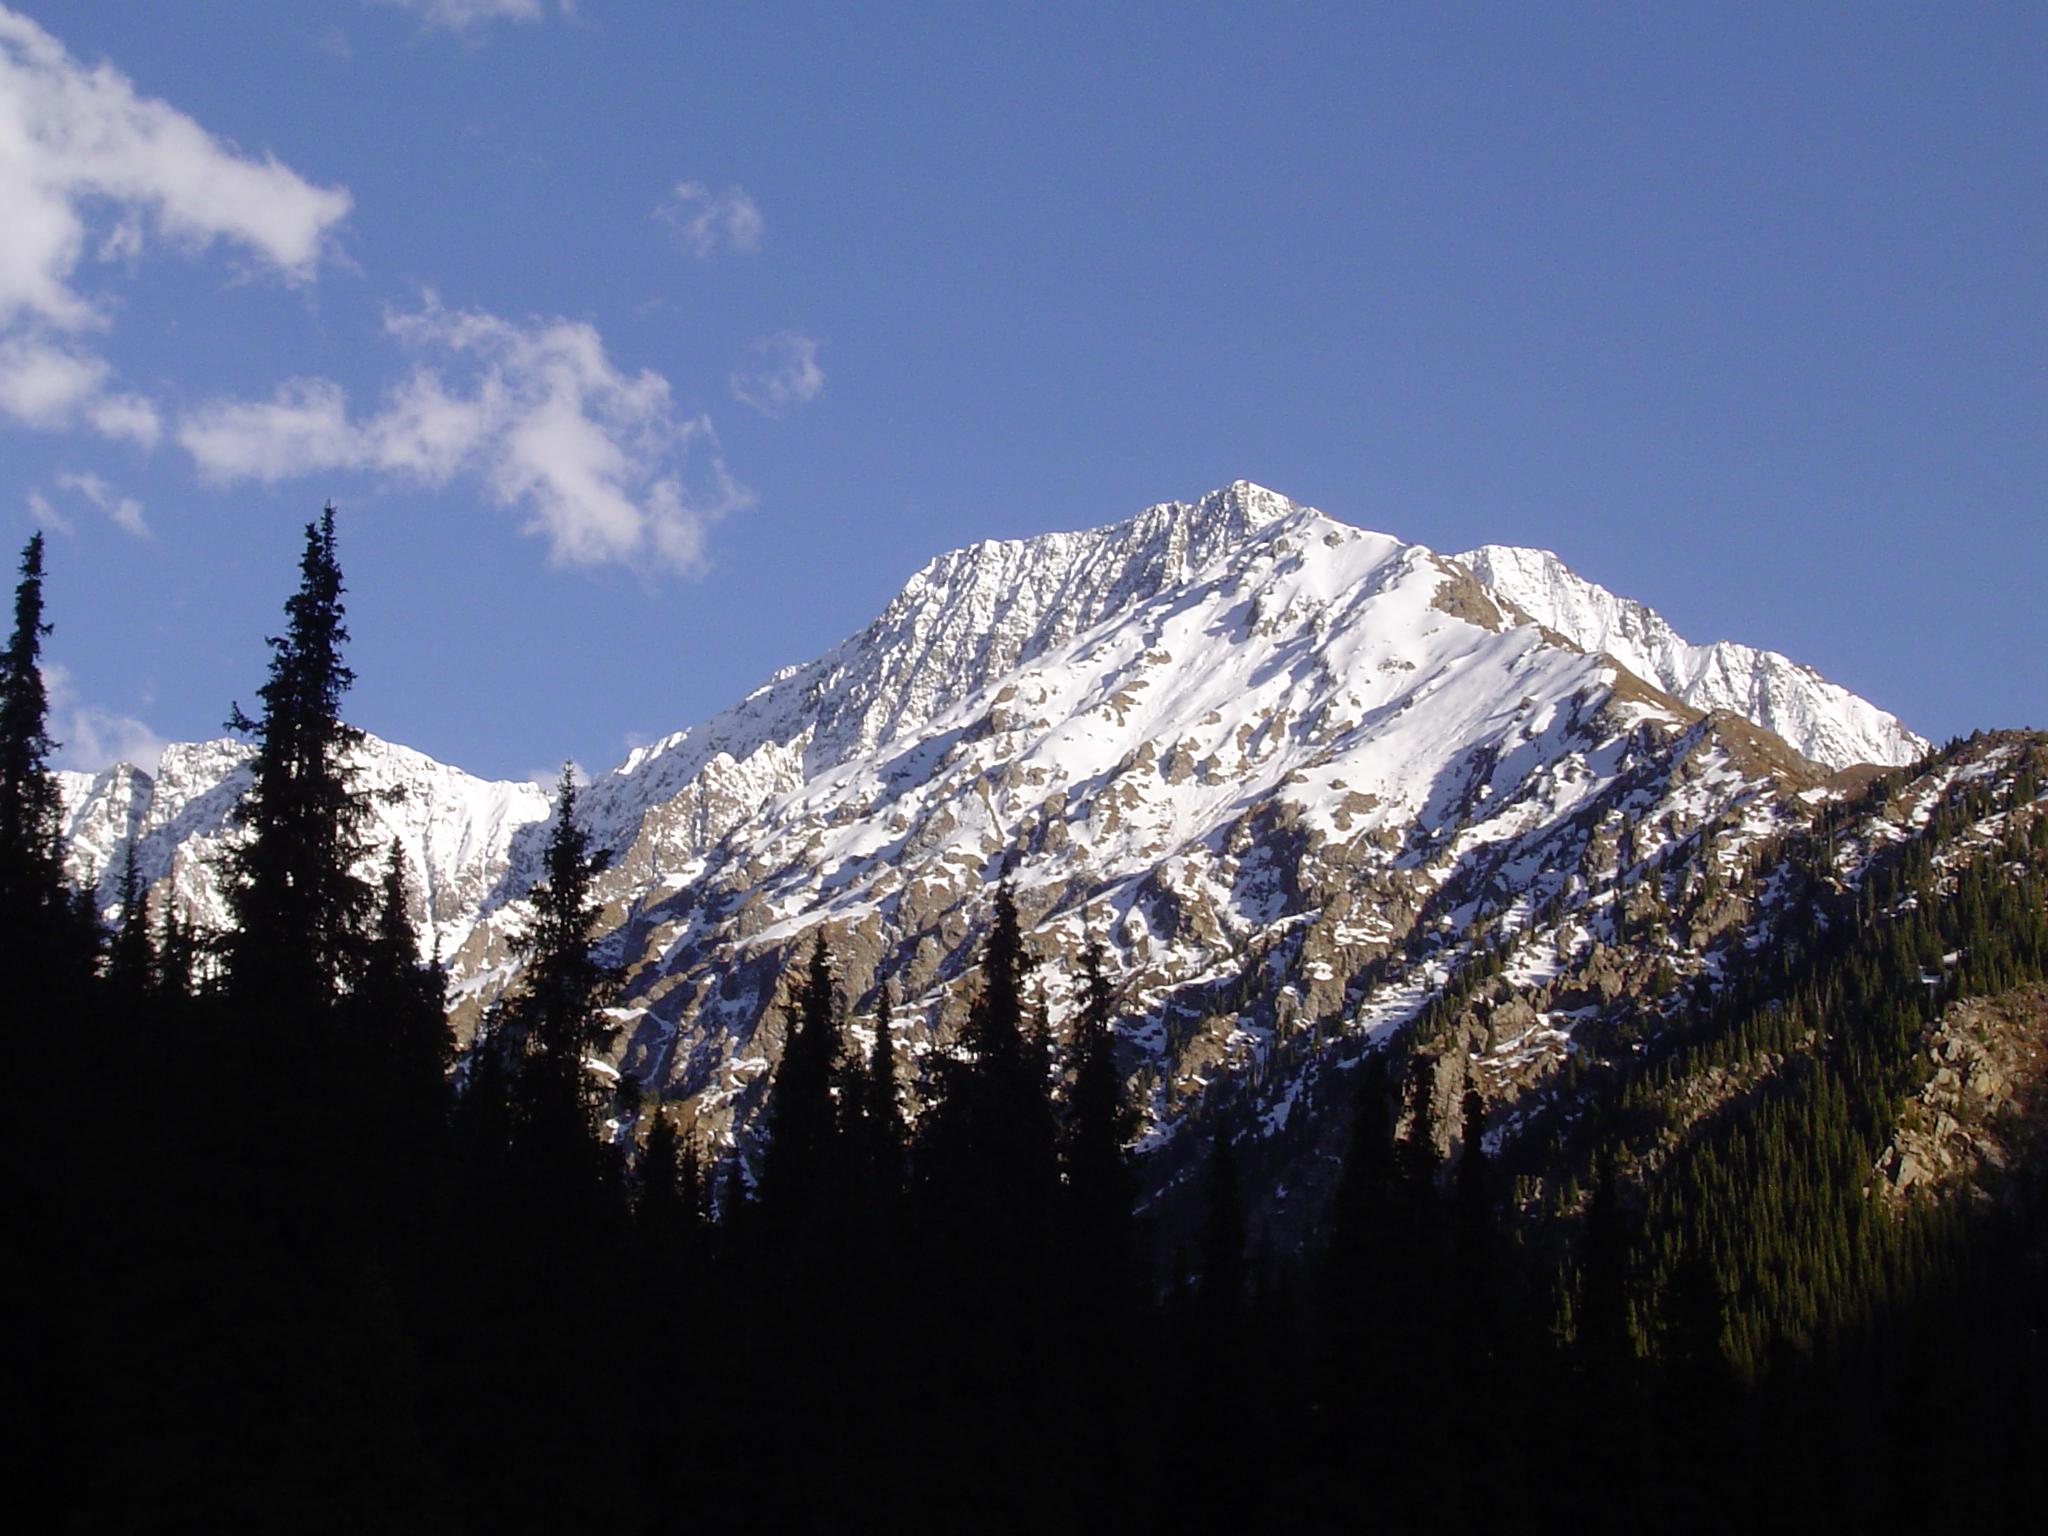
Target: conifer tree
(986, 1153)
(175, 973)
(556, 1020)
(301, 913)
(986, 1185)
(1099, 1186)
(402, 1017)
(34, 908)
(884, 1107)
(131, 958)
(802, 1162)
(667, 1204)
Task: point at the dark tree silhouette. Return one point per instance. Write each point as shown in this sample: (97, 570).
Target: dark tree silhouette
(804, 1168)
(555, 1020)
(301, 913)
(45, 934)
(1099, 1186)
(883, 1107)
(131, 956)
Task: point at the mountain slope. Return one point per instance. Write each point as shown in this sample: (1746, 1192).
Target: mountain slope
(1818, 718)
(1302, 779)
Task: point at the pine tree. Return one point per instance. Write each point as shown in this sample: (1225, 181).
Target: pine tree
(556, 1020)
(884, 1107)
(1099, 1187)
(986, 1183)
(36, 927)
(803, 1163)
(301, 914)
(401, 1019)
(176, 972)
(667, 1205)
(131, 958)
(986, 1156)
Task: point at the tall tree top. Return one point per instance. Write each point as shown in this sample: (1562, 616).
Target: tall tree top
(302, 914)
(31, 882)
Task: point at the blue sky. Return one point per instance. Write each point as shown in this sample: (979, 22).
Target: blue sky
(647, 347)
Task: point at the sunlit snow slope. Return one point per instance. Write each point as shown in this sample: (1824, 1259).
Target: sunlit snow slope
(1824, 721)
(1293, 773)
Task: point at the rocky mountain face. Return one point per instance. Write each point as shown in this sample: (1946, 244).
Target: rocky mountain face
(1308, 784)
(1815, 717)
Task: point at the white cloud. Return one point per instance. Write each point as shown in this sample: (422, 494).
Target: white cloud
(704, 222)
(461, 15)
(90, 738)
(126, 511)
(127, 417)
(302, 429)
(44, 385)
(598, 459)
(55, 387)
(786, 376)
(550, 779)
(71, 137)
(81, 152)
(40, 509)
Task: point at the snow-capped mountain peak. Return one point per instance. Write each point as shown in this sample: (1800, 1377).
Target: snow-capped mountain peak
(1270, 759)
(1820, 719)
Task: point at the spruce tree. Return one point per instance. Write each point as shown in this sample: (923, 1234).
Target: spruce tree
(34, 908)
(666, 1203)
(556, 1019)
(1099, 1187)
(301, 913)
(803, 1163)
(986, 1156)
(401, 1020)
(131, 957)
(175, 973)
(884, 1107)
(986, 1185)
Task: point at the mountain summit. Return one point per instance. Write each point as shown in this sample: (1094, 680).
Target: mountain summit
(1292, 773)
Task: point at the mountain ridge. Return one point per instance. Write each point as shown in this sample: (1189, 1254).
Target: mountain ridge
(1272, 760)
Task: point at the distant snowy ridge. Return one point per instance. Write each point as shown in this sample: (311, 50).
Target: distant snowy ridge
(1817, 718)
(455, 832)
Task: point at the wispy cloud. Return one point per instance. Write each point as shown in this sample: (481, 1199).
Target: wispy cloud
(468, 16)
(90, 738)
(785, 375)
(705, 223)
(40, 509)
(600, 461)
(87, 164)
(125, 511)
